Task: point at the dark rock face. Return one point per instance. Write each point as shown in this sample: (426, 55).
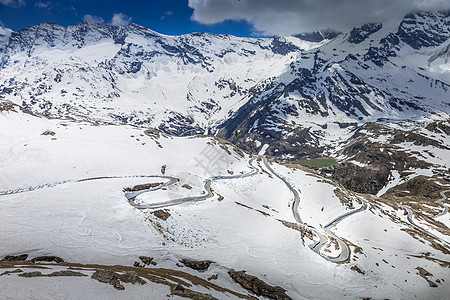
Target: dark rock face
(318, 36)
(361, 180)
(258, 286)
(425, 29)
(279, 45)
(196, 265)
(360, 34)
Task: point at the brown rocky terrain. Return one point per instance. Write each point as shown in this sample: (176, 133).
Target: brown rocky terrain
(180, 283)
(258, 286)
(196, 265)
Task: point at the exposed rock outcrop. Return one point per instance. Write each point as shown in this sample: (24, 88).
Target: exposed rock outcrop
(258, 286)
(196, 265)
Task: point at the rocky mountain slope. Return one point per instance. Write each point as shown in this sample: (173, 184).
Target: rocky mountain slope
(300, 95)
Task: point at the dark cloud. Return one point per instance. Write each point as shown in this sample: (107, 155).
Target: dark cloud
(284, 17)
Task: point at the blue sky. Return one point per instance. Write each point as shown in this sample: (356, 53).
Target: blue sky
(165, 16)
(236, 17)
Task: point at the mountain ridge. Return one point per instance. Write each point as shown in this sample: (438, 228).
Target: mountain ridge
(279, 91)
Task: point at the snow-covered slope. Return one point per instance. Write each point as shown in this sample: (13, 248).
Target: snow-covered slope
(63, 192)
(298, 94)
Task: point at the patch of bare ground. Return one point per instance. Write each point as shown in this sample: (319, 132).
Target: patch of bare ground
(344, 198)
(332, 242)
(427, 256)
(220, 197)
(423, 236)
(180, 290)
(357, 269)
(64, 273)
(420, 194)
(127, 274)
(246, 206)
(187, 186)
(356, 249)
(421, 187)
(223, 144)
(258, 286)
(304, 232)
(162, 214)
(439, 226)
(141, 187)
(425, 274)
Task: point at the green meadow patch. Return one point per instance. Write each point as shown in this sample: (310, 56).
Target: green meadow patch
(317, 162)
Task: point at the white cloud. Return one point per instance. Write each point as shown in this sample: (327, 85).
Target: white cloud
(13, 3)
(73, 10)
(284, 17)
(120, 20)
(91, 18)
(167, 13)
(41, 4)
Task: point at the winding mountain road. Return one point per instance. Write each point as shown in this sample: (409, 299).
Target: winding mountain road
(323, 239)
(207, 187)
(296, 200)
(445, 210)
(133, 201)
(409, 217)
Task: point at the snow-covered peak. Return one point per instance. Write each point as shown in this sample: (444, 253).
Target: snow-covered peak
(287, 90)
(5, 33)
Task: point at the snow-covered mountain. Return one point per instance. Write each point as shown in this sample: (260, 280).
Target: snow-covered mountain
(300, 95)
(127, 210)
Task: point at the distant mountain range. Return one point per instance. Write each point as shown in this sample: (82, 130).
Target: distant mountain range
(301, 95)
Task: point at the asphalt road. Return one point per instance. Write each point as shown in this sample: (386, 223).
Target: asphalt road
(443, 205)
(323, 239)
(207, 187)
